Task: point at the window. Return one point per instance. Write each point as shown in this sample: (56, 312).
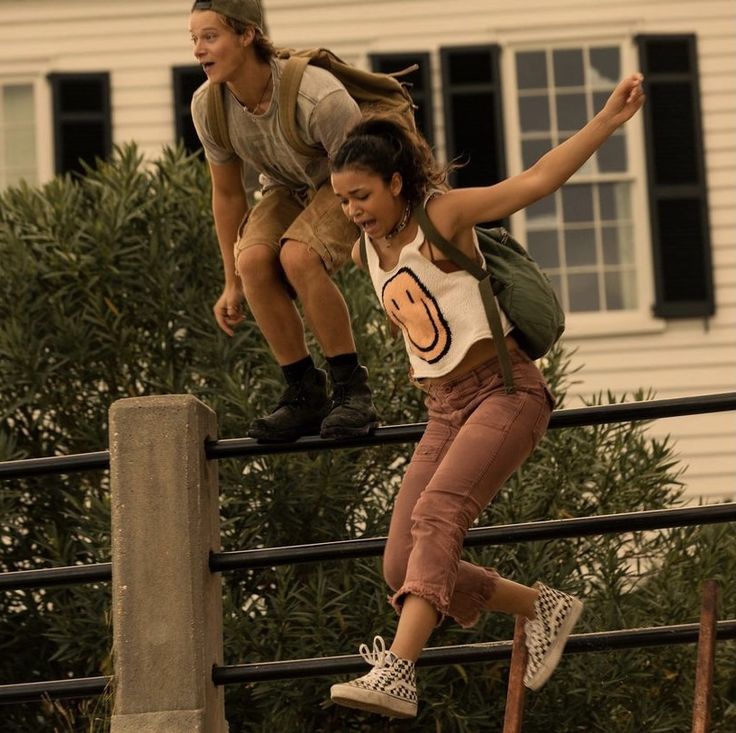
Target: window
(583, 235)
(186, 79)
(17, 135)
(473, 121)
(82, 119)
(419, 83)
(678, 197)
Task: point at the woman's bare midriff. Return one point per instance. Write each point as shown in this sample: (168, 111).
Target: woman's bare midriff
(479, 353)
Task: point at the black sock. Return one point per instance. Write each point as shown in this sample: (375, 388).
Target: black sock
(293, 373)
(342, 366)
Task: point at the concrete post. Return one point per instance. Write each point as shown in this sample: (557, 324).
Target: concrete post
(167, 605)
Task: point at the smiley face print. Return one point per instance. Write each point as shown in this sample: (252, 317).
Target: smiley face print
(410, 305)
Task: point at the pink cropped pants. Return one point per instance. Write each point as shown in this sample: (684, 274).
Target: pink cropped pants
(477, 435)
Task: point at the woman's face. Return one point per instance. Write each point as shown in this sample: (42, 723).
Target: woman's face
(369, 201)
(217, 47)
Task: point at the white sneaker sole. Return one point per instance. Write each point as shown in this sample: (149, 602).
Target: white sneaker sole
(555, 651)
(372, 701)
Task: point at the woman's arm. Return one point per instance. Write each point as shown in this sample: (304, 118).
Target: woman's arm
(463, 208)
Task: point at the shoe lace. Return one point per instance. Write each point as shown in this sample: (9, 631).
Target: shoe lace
(376, 657)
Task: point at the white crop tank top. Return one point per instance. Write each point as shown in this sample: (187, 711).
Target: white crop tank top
(440, 314)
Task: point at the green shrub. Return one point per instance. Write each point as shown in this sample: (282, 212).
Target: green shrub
(107, 285)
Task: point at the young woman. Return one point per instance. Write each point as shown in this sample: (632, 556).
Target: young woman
(295, 237)
(477, 433)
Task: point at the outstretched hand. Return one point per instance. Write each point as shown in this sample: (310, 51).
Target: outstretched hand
(625, 100)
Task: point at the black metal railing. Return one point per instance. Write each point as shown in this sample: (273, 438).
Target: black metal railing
(328, 551)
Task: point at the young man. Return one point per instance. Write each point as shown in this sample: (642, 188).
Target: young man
(296, 236)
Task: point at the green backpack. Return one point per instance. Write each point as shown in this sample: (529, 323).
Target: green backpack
(523, 290)
(373, 91)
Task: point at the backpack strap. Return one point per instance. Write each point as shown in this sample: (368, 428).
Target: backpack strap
(484, 285)
(217, 116)
(291, 79)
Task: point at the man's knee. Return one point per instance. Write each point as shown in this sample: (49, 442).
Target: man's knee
(257, 265)
(300, 263)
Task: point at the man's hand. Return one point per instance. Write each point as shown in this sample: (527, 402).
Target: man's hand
(228, 309)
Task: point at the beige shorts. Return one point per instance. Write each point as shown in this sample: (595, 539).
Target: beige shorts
(316, 219)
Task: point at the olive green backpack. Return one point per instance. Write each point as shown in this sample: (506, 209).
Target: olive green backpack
(374, 92)
(523, 290)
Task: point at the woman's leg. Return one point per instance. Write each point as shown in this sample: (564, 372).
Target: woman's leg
(499, 431)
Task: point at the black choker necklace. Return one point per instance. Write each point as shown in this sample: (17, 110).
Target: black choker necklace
(402, 223)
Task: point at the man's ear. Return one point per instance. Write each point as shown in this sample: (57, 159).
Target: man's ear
(248, 35)
(396, 184)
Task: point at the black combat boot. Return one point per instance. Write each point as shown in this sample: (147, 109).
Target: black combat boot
(300, 411)
(352, 412)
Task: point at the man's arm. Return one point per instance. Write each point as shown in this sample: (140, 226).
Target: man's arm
(229, 206)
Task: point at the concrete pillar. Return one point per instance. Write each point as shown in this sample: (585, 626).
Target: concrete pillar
(167, 605)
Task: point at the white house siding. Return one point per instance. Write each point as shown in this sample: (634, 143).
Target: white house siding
(139, 41)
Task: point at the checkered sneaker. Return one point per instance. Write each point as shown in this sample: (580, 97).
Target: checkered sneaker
(390, 688)
(556, 614)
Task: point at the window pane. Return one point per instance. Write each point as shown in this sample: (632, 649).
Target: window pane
(618, 245)
(542, 246)
(473, 122)
(671, 55)
(534, 113)
(81, 95)
(533, 150)
(611, 155)
(83, 140)
(568, 67)
(17, 134)
(577, 203)
(580, 247)
(605, 66)
(583, 291)
(614, 200)
(18, 105)
(542, 212)
(620, 290)
(531, 70)
(572, 113)
(469, 67)
(20, 148)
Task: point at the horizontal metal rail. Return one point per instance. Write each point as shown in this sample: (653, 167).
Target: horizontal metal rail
(48, 577)
(391, 434)
(459, 654)
(501, 535)
(373, 546)
(577, 417)
(54, 689)
(601, 641)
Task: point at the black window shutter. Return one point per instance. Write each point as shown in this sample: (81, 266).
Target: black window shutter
(471, 91)
(186, 81)
(418, 82)
(678, 198)
(82, 119)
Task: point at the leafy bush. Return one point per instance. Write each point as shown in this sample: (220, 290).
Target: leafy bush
(107, 284)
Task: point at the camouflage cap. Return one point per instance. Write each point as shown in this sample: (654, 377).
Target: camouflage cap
(246, 11)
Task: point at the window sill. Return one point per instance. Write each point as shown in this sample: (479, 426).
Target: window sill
(605, 325)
